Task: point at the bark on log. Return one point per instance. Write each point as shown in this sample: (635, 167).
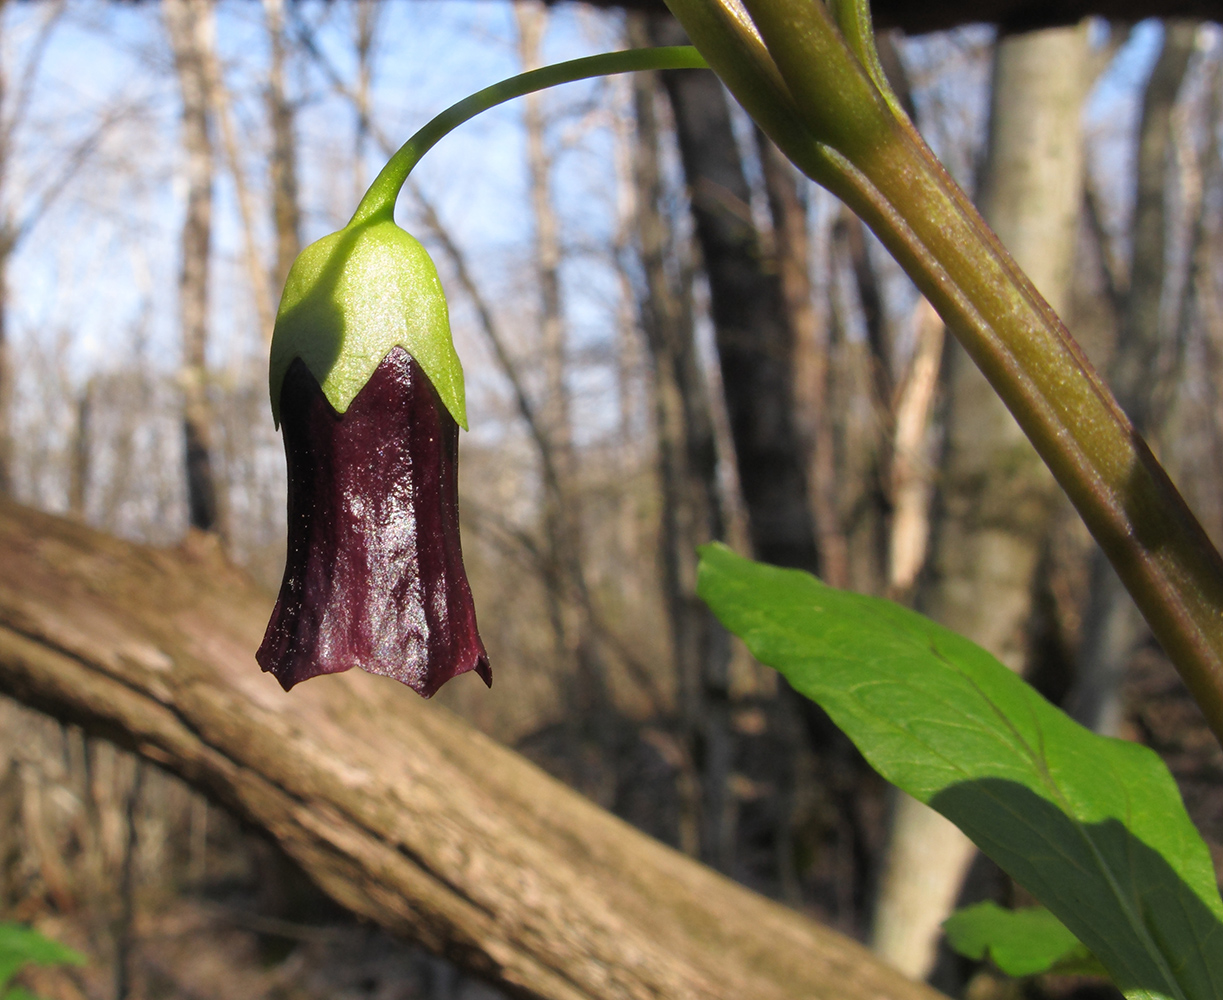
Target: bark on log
(396, 808)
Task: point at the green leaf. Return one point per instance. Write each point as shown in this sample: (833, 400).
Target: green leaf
(1093, 827)
(1020, 942)
(21, 946)
(353, 296)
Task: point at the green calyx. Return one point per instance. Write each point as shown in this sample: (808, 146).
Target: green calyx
(353, 296)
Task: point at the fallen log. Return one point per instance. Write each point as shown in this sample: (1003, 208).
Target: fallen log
(396, 808)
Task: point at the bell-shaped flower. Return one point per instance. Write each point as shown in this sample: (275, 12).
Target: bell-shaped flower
(368, 391)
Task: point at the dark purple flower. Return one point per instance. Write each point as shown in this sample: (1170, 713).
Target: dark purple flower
(374, 576)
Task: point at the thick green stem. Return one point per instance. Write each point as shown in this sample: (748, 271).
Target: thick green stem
(867, 153)
(379, 200)
(1122, 493)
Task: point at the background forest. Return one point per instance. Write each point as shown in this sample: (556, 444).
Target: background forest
(669, 337)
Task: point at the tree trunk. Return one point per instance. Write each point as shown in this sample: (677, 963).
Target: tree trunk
(863, 384)
(756, 357)
(688, 473)
(393, 806)
(911, 466)
(6, 384)
(589, 697)
(1111, 623)
(532, 18)
(996, 495)
(366, 13)
(282, 167)
(190, 25)
(79, 455)
(7, 238)
(813, 426)
(754, 341)
(220, 104)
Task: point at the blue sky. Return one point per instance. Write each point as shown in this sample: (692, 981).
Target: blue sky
(104, 259)
(99, 271)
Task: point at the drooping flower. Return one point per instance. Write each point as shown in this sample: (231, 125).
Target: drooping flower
(369, 395)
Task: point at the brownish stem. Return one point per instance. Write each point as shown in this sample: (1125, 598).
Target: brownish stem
(804, 86)
(1157, 546)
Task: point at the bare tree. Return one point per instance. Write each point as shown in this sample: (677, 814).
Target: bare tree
(282, 166)
(687, 465)
(755, 350)
(562, 520)
(222, 112)
(17, 86)
(191, 28)
(532, 19)
(792, 253)
(366, 14)
(911, 468)
(996, 495)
